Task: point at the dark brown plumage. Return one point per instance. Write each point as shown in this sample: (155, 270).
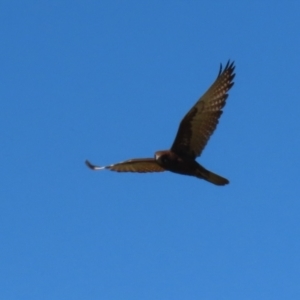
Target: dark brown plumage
(193, 134)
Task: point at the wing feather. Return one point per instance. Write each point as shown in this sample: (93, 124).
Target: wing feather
(200, 122)
(141, 165)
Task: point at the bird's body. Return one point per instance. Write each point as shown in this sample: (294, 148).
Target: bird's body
(172, 162)
(194, 132)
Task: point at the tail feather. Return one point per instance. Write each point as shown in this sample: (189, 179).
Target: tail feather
(216, 179)
(212, 177)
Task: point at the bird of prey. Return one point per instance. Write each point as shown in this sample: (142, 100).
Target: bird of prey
(193, 134)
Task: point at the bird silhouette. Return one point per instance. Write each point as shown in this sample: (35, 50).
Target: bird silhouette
(193, 134)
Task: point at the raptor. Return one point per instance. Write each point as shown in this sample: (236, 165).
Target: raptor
(193, 134)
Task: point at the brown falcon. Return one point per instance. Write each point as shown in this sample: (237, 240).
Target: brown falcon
(193, 133)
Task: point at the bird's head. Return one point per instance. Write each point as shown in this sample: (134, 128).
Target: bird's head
(164, 158)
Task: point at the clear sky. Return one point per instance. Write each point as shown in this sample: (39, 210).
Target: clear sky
(111, 80)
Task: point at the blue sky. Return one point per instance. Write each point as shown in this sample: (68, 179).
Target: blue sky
(108, 81)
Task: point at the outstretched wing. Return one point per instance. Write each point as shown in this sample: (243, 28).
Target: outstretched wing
(142, 165)
(200, 122)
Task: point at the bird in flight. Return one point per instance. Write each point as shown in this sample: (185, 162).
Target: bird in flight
(193, 134)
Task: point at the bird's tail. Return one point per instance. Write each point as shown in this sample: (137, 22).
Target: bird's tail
(212, 177)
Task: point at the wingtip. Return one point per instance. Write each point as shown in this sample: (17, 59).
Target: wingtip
(93, 167)
(229, 66)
